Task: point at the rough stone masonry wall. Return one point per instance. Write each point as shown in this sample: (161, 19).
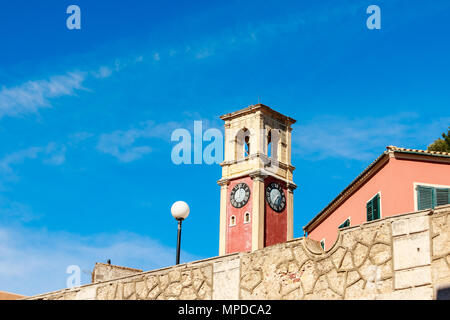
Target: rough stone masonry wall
(187, 281)
(402, 257)
(358, 266)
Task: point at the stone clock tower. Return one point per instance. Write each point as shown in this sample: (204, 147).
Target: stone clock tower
(256, 195)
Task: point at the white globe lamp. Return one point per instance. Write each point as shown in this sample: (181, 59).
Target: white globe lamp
(180, 211)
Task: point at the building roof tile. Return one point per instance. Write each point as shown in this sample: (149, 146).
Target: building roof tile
(439, 153)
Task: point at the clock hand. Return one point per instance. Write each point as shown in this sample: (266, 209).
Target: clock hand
(277, 199)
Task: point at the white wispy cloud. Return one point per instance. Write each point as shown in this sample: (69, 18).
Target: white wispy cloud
(16, 211)
(106, 71)
(102, 72)
(122, 144)
(34, 261)
(247, 32)
(55, 154)
(363, 138)
(51, 154)
(77, 137)
(30, 96)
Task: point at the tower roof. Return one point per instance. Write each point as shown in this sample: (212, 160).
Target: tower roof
(255, 108)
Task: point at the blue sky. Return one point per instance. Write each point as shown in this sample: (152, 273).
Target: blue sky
(86, 115)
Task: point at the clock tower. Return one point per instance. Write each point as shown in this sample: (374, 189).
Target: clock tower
(256, 188)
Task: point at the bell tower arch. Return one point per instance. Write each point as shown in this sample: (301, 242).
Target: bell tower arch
(256, 196)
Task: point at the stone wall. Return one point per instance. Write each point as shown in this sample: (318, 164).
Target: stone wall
(105, 272)
(440, 249)
(401, 257)
(186, 281)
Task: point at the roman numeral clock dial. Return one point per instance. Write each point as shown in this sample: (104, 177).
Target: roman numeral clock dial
(275, 197)
(239, 195)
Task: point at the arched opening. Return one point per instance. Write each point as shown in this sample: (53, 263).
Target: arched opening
(247, 217)
(242, 144)
(232, 221)
(247, 146)
(269, 144)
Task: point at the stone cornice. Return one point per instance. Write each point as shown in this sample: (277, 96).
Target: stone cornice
(255, 173)
(264, 159)
(258, 107)
(291, 186)
(223, 182)
(258, 176)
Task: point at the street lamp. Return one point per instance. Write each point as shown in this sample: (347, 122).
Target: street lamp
(180, 211)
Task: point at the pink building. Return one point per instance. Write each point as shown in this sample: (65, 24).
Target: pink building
(399, 181)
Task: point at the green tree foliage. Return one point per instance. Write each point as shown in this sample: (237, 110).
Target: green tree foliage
(441, 144)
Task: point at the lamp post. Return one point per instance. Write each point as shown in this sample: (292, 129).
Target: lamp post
(180, 211)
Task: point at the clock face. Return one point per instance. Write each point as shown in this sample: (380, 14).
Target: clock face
(275, 197)
(239, 195)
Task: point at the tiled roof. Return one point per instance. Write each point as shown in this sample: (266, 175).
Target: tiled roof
(438, 153)
(10, 296)
(349, 188)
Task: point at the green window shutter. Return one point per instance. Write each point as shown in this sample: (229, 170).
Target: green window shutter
(346, 223)
(373, 208)
(376, 207)
(442, 197)
(425, 198)
(369, 210)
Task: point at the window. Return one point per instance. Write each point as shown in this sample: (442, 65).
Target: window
(344, 224)
(232, 221)
(247, 146)
(247, 217)
(242, 144)
(322, 244)
(373, 208)
(431, 197)
(269, 144)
